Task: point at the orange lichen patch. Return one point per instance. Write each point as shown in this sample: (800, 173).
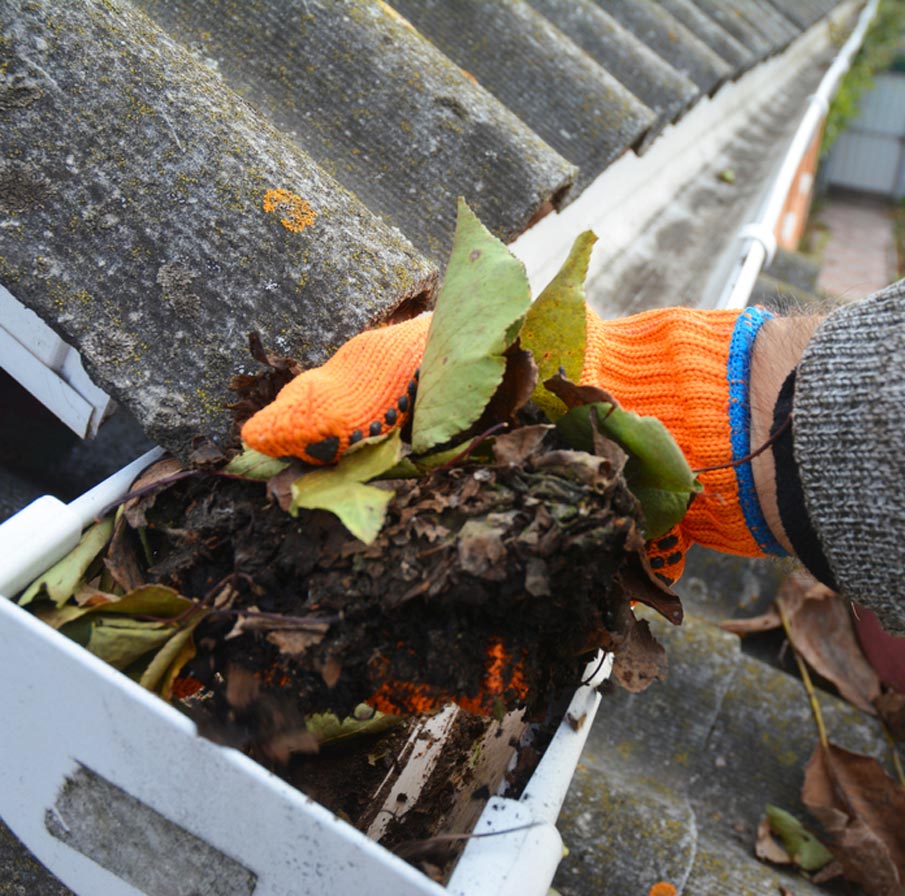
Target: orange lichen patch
(297, 213)
(662, 888)
(366, 389)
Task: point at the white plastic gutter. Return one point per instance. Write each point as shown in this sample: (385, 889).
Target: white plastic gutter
(758, 236)
(24, 556)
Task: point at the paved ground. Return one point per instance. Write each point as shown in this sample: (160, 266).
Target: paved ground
(854, 235)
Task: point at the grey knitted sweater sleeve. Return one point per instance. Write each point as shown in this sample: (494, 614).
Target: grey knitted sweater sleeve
(849, 432)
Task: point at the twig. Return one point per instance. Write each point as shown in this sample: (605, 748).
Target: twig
(474, 444)
(410, 849)
(743, 460)
(896, 762)
(166, 482)
(805, 678)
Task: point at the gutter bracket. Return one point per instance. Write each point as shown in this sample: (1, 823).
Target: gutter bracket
(759, 232)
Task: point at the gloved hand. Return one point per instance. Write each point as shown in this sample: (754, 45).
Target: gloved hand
(687, 367)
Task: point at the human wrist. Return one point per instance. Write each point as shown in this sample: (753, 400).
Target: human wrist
(776, 352)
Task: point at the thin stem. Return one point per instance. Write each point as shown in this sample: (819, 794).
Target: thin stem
(896, 761)
(743, 460)
(474, 444)
(805, 678)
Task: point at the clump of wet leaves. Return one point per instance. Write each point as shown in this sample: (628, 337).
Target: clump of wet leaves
(482, 560)
(535, 552)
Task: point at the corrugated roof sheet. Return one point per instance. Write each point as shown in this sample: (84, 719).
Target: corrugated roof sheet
(668, 37)
(138, 186)
(656, 83)
(379, 108)
(754, 23)
(737, 54)
(579, 108)
(674, 781)
(138, 154)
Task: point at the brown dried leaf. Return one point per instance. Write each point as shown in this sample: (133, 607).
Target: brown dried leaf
(767, 848)
(515, 447)
(136, 508)
(280, 486)
(639, 659)
(766, 622)
(891, 708)
(861, 808)
(294, 643)
(206, 454)
(481, 550)
(822, 632)
(885, 652)
(331, 671)
(120, 559)
(242, 687)
(573, 395)
(254, 621)
(640, 583)
(255, 391)
(519, 380)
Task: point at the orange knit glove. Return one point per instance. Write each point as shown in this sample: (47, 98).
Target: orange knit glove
(687, 367)
(690, 368)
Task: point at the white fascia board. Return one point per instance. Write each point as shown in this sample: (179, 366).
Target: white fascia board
(52, 371)
(634, 190)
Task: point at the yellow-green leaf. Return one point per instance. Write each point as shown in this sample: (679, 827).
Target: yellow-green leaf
(63, 579)
(555, 329)
(148, 600)
(161, 670)
(121, 641)
(480, 309)
(341, 489)
(251, 464)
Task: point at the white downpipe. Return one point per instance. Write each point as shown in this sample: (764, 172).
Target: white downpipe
(759, 242)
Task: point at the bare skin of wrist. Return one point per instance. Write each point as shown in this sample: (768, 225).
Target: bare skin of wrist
(777, 349)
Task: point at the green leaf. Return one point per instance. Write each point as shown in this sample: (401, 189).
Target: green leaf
(340, 489)
(328, 728)
(480, 309)
(121, 642)
(62, 580)
(412, 467)
(251, 464)
(555, 329)
(804, 848)
(656, 472)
